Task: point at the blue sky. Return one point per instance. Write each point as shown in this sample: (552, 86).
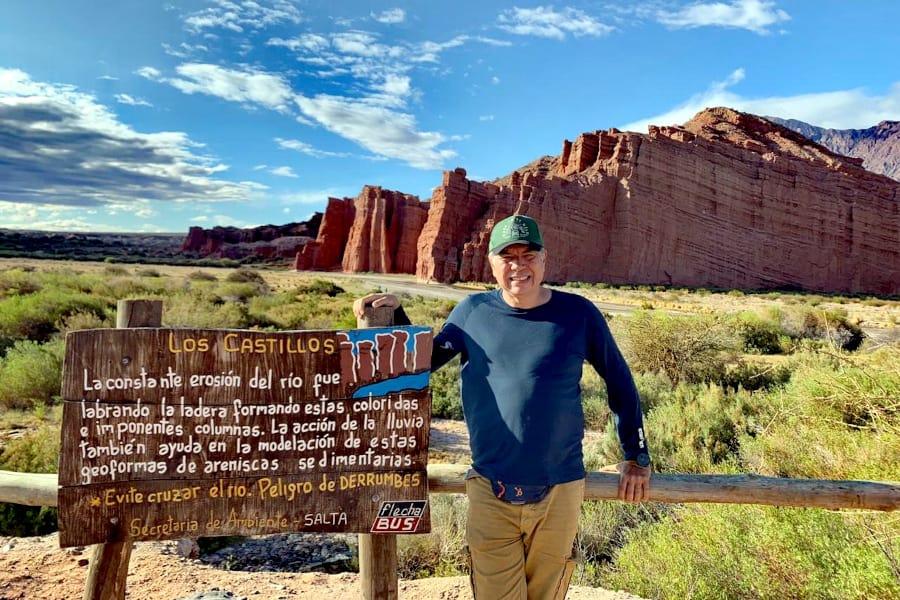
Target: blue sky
(145, 115)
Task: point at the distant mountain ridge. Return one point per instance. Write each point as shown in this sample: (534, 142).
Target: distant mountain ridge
(878, 146)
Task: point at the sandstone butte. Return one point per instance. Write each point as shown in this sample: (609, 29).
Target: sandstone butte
(729, 200)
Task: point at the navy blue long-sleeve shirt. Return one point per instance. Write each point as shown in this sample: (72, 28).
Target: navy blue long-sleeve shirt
(521, 394)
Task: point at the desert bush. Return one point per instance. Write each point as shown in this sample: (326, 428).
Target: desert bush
(186, 311)
(18, 282)
(115, 271)
(804, 322)
(322, 288)
(36, 316)
(147, 272)
(201, 276)
(603, 528)
(247, 275)
(690, 349)
(837, 418)
(31, 373)
(23, 521)
(446, 402)
(83, 320)
(594, 401)
(755, 375)
(237, 292)
(698, 428)
(440, 553)
(760, 335)
(37, 451)
(724, 552)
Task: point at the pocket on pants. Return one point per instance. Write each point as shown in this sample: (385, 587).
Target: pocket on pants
(568, 571)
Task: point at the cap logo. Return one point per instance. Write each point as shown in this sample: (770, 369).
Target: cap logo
(517, 230)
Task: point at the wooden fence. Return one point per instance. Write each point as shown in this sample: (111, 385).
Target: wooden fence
(378, 552)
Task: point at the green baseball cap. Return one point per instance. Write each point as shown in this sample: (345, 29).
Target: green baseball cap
(517, 229)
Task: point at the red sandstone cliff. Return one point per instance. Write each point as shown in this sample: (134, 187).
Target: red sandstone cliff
(729, 200)
(376, 231)
(266, 242)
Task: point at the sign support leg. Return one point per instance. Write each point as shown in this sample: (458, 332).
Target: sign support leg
(109, 563)
(378, 553)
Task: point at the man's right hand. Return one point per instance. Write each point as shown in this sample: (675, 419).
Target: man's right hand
(375, 301)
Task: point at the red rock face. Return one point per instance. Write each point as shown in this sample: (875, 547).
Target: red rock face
(327, 251)
(266, 242)
(730, 200)
(382, 237)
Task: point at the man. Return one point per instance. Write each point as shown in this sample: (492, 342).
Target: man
(522, 349)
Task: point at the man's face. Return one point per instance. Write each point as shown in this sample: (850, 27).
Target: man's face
(519, 270)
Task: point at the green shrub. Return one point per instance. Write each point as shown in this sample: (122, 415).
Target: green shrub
(690, 349)
(752, 376)
(603, 528)
(758, 334)
(440, 553)
(115, 271)
(725, 552)
(23, 521)
(187, 311)
(36, 316)
(446, 402)
(247, 275)
(836, 419)
(817, 324)
(31, 373)
(698, 428)
(201, 276)
(322, 288)
(18, 282)
(83, 320)
(36, 451)
(147, 272)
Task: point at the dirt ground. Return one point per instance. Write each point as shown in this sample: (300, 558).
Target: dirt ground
(36, 568)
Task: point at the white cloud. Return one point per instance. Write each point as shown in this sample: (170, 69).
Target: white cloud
(245, 87)
(283, 172)
(131, 100)
(757, 16)
(316, 196)
(390, 17)
(486, 118)
(378, 129)
(838, 109)
(309, 150)
(151, 73)
(59, 146)
(247, 14)
(545, 21)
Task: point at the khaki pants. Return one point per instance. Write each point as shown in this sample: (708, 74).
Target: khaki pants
(522, 551)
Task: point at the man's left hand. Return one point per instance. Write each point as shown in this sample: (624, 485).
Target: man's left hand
(634, 482)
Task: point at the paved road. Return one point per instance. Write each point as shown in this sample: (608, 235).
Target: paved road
(407, 284)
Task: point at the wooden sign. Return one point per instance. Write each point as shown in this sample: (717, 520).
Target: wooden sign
(171, 433)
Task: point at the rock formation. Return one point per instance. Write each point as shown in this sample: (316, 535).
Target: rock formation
(376, 231)
(878, 146)
(264, 243)
(730, 200)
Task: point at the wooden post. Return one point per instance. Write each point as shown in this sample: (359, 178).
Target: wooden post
(109, 563)
(378, 553)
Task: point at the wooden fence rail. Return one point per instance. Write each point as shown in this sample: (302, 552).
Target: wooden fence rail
(40, 490)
